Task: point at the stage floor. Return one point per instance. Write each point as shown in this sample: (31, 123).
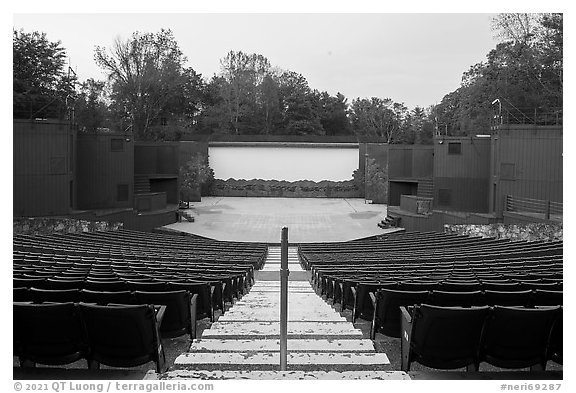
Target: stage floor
(261, 219)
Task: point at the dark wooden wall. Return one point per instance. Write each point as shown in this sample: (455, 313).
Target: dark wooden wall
(156, 168)
(526, 162)
(410, 161)
(43, 168)
(105, 173)
(461, 180)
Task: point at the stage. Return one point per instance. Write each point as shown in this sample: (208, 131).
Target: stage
(261, 219)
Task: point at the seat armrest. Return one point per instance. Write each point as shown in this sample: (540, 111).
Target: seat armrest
(373, 297)
(160, 311)
(355, 299)
(405, 337)
(342, 302)
(193, 313)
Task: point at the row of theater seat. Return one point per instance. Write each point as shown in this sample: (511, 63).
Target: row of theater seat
(109, 297)
(386, 303)
(63, 333)
(181, 305)
(353, 293)
(506, 337)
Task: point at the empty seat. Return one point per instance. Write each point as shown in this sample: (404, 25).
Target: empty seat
(123, 336)
(49, 334)
(180, 316)
(205, 303)
(363, 304)
(387, 303)
(516, 337)
(442, 337)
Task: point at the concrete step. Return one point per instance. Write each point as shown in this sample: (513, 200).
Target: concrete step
(262, 345)
(282, 375)
(268, 329)
(272, 359)
(276, 284)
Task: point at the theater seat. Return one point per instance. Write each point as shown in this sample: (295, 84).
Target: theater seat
(123, 335)
(387, 303)
(50, 334)
(442, 337)
(516, 337)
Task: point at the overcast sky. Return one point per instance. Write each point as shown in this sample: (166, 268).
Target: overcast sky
(410, 58)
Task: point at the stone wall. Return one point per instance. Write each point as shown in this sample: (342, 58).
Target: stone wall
(515, 232)
(285, 189)
(46, 226)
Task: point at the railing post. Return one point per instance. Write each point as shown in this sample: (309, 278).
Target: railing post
(284, 272)
(547, 212)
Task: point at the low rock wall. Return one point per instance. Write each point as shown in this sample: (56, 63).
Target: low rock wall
(515, 232)
(285, 189)
(46, 226)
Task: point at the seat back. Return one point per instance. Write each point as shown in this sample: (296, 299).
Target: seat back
(21, 294)
(364, 306)
(506, 298)
(457, 299)
(387, 313)
(517, 337)
(548, 298)
(55, 295)
(50, 334)
(122, 336)
(446, 337)
(202, 289)
(108, 286)
(555, 351)
(105, 297)
(177, 317)
(147, 286)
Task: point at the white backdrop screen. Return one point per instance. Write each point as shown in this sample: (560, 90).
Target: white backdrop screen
(283, 163)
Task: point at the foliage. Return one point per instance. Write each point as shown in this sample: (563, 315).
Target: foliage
(149, 81)
(90, 109)
(524, 72)
(40, 75)
(378, 117)
(376, 182)
(195, 174)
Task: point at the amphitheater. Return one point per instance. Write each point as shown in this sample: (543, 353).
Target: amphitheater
(193, 292)
(334, 330)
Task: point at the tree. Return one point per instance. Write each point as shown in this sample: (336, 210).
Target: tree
(41, 79)
(524, 72)
(90, 109)
(195, 175)
(333, 115)
(300, 106)
(377, 117)
(244, 74)
(148, 77)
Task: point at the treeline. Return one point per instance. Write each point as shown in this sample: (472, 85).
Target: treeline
(153, 94)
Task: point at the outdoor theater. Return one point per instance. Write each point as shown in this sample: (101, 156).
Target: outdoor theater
(176, 227)
(394, 279)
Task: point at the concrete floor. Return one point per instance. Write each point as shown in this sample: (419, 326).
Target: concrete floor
(261, 219)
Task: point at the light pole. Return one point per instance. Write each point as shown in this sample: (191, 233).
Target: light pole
(497, 100)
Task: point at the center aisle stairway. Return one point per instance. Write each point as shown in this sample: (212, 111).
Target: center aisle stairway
(244, 342)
